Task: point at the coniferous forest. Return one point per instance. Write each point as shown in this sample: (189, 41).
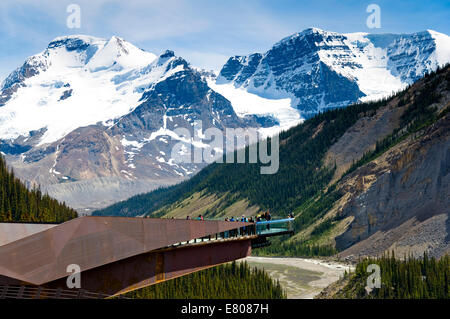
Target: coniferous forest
(229, 281)
(296, 249)
(301, 174)
(301, 177)
(425, 278)
(19, 204)
(300, 185)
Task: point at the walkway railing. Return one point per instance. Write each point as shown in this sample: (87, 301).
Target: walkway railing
(272, 227)
(263, 228)
(39, 292)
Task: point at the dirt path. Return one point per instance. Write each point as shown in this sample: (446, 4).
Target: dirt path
(301, 278)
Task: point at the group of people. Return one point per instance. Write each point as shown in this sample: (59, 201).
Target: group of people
(200, 217)
(244, 230)
(242, 219)
(265, 216)
(259, 218)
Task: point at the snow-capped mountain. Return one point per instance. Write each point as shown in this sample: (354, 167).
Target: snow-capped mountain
(93, 121)
(73, 83)
(317, 69)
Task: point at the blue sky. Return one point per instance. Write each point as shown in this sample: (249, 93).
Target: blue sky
(205, 32)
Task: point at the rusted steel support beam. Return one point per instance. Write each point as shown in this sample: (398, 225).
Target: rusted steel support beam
(158, 266)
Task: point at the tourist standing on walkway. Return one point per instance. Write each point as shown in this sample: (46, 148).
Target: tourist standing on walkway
(268, 218)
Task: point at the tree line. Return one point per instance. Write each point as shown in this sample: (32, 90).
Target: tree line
(410, 278)
(19, 204)
(296, 249)
(229, 281)
(301, 174)
(299, 184)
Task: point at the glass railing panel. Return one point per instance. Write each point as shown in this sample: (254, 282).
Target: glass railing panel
(258, 228)
(274, 226)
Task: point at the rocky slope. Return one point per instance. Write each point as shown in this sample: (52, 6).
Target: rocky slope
(378, 172)
(319, 69)
(94, 121)
(400, 200)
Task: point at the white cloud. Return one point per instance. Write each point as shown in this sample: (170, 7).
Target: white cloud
(204, 32)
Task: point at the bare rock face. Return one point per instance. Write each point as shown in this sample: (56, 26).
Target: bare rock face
(362, 137)
(104, 113)
(319, 69)
(91, 194)
(401, 200)
(118, 144)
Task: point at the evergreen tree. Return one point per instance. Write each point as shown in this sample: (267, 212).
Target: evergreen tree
(426, 278)
(19, 204)
(229, 281)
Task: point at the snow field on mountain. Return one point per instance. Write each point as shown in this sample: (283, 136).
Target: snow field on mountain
(102, 80)
(442, 53)
(71, 93)
(245, 103)
(380, 65)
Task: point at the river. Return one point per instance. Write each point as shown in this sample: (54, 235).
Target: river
(300, 277)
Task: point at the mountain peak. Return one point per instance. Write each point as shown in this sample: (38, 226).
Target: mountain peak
(167, 54)
(305, 34)
(73, 42)
(97, 53)
(83, 37)
(116, 38)
(313, 30)
(366, 66)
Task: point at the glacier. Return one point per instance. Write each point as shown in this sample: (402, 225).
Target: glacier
(319, 70)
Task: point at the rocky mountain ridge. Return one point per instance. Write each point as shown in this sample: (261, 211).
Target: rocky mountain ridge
(319, 69)
(106, 112)
(88, 116)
